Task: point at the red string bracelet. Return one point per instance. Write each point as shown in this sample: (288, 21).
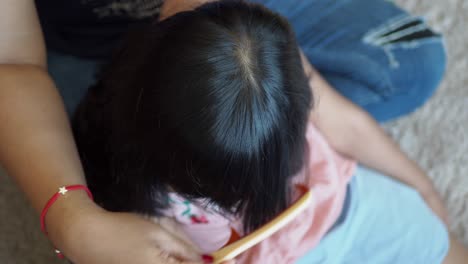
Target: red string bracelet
(62, 191)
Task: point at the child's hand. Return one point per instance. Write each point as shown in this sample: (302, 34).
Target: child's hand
(434, 201)
(172, 7)
(91, 235)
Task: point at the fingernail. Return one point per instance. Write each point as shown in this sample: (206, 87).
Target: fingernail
(207, 259)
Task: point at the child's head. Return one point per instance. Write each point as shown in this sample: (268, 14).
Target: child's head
(208, 103)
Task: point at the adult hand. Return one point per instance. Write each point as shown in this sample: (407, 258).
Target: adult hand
(91, 235)
(130, 239)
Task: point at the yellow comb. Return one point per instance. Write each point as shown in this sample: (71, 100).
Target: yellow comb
(234, 249)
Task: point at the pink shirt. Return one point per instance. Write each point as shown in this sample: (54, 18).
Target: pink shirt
(327, 175)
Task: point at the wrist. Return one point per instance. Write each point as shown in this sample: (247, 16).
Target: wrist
(65, 215)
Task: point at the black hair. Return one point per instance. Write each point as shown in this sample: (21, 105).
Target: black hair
(209, 103)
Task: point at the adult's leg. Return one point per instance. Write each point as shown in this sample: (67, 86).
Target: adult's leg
(371, 51)
(72, 75)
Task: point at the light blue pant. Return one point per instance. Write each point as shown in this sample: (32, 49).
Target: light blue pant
(371, 51)
(383, 222)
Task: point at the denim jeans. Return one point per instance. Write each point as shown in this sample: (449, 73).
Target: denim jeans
(372, 52)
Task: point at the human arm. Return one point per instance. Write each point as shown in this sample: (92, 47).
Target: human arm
(21, 40)
(38, 151)
(354, 133)
(34, 137)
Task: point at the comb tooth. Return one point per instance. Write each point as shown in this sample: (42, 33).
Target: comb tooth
(234, 249)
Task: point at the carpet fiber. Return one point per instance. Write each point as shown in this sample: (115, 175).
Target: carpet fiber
(435, 136)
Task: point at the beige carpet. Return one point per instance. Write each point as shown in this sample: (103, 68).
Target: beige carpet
(435, 135)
